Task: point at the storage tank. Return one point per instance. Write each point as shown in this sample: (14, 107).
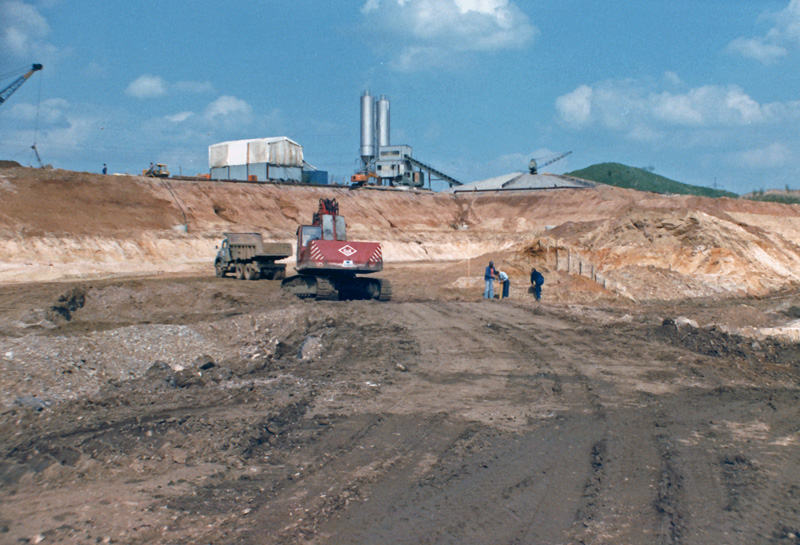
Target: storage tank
(367, 128)
(383, 122)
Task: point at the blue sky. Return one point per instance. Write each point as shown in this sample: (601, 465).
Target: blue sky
(705, 92)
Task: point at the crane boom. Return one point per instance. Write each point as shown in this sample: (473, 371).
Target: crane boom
(534, 166)
(8, 91)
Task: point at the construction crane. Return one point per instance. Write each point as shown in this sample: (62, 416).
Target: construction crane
(534, 166)
(8, 91)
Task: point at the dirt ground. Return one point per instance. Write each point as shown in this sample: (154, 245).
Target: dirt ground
(651, 397)
(195, 410)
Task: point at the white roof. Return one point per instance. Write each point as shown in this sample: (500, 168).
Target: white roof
(274, 150)
(522, 181)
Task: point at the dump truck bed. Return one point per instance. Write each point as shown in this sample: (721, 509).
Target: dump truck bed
(251, 246)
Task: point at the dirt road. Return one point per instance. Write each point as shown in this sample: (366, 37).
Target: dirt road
(196, 410)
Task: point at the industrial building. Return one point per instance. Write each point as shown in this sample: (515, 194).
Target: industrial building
(277, 158)
(389, 165)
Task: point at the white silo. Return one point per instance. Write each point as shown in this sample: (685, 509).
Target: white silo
(367, 128)
(383, 122)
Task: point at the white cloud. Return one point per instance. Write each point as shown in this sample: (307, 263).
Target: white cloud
(227, 107)
(49, 111)
(758, 49)
(94, 69)
(370, 6)
(777, 41)
(68, 137)
(179, 117)
(708, 105)
(150, 86)
(575, 108)
(630, 105)
(643, 133)
(511, 162)
(672, 78)
(147, 86)
(432, 33)
(775, 155)
(195, 87)
(23, 31)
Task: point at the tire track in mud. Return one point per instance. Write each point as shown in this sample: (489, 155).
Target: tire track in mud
(485, 487)
(515, 336)
(669, 500)
(606, 476)
(604, 463)
(755, 439)
(111, 435)
(373, 460)
(519, 337)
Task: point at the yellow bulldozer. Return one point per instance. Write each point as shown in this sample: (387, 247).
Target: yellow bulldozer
(156, 171)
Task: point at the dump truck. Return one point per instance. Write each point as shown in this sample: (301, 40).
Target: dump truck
(248, 257)
(327, 262)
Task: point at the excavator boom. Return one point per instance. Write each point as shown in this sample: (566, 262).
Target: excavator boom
(8, 91)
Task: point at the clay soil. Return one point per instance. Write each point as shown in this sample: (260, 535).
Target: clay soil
(139, 405)
(437, 418)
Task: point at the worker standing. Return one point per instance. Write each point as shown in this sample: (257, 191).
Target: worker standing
(536, 282)
(488, 277)
(503, 277)
(105, 169)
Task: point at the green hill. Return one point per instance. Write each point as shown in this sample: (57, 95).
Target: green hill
(643, 180)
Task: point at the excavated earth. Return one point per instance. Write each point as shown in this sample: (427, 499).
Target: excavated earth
(652, 396)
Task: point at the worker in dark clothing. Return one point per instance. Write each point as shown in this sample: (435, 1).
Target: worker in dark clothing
(488, 276)
(536, 282)
(105, 169)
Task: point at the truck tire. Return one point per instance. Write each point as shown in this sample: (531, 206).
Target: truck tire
(239, 271)
(219, 269)
(250, 272)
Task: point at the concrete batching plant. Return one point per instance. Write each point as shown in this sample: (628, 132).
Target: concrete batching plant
(382, 162)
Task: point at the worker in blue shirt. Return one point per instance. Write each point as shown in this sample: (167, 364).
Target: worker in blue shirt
(536, 282)
(488, 276)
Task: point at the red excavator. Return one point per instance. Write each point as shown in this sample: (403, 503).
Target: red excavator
(327, 263)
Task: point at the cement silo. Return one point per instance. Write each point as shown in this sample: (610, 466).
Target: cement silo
(383, 122)
(367, 128)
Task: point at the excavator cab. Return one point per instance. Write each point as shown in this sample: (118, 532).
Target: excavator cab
(333, 228)
(327, 225)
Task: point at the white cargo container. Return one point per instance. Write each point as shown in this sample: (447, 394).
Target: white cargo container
(258, 159)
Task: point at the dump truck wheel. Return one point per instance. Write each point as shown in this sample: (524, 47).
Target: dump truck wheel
(250, 272)
(239, 271)
(219, 269)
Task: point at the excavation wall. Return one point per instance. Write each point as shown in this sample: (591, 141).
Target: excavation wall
(59, 225)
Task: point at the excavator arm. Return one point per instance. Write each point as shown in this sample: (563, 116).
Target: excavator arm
(8, 91)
